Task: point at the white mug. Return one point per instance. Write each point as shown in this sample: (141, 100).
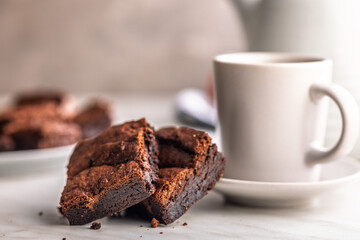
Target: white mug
(272, 115)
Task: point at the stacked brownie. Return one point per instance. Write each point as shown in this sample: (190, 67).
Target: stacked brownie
(189, 166)
(49, 119)
(157, 174)
(110, 172)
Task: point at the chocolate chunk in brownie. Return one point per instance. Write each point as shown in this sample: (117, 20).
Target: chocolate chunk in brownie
(94, 119)
(190, 165)
(62, 100)
(110, 172)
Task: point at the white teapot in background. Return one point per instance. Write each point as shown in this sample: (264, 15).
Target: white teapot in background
(327, 28)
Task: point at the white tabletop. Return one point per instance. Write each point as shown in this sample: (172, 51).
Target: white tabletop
(335, 215)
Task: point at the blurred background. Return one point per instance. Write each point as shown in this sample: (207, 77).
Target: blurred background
(142, 47)
(113, 46)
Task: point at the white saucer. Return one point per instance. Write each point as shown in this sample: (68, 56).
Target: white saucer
(16, 162)
(280, 194)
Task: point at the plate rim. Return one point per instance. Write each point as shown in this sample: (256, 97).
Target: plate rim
(297, 184)
(35, 154)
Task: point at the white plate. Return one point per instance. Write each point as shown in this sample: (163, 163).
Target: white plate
(279, 194)
(15, 162)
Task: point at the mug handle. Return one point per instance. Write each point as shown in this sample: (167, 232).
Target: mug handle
(350, 123)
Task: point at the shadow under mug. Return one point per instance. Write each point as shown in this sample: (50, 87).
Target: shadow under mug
(272, 114)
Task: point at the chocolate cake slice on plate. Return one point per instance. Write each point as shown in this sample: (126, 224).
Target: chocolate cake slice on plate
(189, 165)
(110, 172)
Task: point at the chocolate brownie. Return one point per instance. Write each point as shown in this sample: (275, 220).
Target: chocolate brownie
(189, 165)
(110, 172)
(38, 133)
(154, 223)
(94, 119)
(44, 111)
(63, 101)
(36, 126)
(95, 226)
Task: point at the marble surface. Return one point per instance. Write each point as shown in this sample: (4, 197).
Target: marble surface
(333, 216)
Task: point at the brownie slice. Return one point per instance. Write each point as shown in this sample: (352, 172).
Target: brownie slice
(111, 172)
(35, 126)
(189, 165)
(44, 111)
(38, 133)
(62, 100)
(94, 119)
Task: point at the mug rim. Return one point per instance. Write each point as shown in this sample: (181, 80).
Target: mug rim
(271, 59)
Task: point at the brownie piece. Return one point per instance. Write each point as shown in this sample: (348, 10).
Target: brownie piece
(95, 226)
(94, 119)
(38, 133)
(36, 126)
(62, 100)
(44, 111)
(154, 223)
(110, 172)
(189, 165)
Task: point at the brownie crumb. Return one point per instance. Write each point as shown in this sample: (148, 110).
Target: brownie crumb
(64, 239)
(95, 226)
(141, 225)
(161, 232)
(185, 224)
(41, 213)
(154, 223)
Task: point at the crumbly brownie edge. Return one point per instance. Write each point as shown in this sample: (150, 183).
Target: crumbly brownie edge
(188, 139)
(109, 203)
(146, 161)
(196, 187)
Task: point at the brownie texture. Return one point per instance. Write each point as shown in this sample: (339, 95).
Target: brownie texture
(110, 172)
(62, 100)
(189, 165)
(44, 119)
(154, 223)
(43, 111)
(94, 119)
(38, 134)
(35, 126)
(95, 226)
